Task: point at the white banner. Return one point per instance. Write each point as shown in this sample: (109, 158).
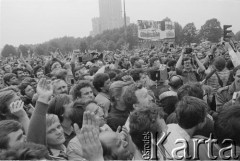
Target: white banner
(151, 30)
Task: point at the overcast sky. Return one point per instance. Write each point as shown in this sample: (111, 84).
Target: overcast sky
(37, 21)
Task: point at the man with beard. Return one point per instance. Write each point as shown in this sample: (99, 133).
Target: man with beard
(225, 94)
(101, 82)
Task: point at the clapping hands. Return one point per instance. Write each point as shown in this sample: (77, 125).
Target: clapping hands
(88, 136)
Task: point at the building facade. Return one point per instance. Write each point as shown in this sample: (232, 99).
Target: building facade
(110, 16)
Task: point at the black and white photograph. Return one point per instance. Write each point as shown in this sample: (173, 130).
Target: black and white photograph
(99, 80)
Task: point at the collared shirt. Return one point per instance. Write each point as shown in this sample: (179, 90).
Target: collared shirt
(69, 136)
(224, 96)
(74, 150)
(189, 76)
(213, 80)
(175, 133)
(59, 154)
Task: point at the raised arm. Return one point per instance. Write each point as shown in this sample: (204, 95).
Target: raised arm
(179, 62)
(17, 110)
(37, 127)
(28, 66)
(200, 65)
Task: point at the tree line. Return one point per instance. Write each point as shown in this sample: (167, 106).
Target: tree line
(116, 38)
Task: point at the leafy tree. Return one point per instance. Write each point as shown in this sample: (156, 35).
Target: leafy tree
(237, 36)
(111, 45)
(9, 50)
(99, 45)
(189, 33)
(120, 42)
(198, 37)
(83, 46)
(68, 47)
(132, 38)
(211, 30)
(24, 50)
(166, 19)
(41, 49)
(53, 45)
(51, 49)
(178, 33)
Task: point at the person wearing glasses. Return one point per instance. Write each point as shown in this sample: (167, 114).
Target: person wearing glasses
(185, 68)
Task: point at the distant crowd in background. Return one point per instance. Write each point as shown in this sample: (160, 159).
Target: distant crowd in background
(99, 105)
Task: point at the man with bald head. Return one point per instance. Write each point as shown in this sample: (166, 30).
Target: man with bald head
(175, 82)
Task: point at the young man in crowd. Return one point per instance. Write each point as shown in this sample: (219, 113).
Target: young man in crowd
(226, 129)
(191, 115)
(119, 111)
(49, 132)
(146, 124)
(224, 95)
(55, 137)
(136, 96)
(194, 90)
(10, 79)
(74, 150)
(101, 83)
(7, 68)
(82, 90)
(60, 105)
(185, 68)
(140, 76)
(220, 77)
(19, 73)
(11, 133)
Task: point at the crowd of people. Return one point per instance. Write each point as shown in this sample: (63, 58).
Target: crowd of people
(64, 108)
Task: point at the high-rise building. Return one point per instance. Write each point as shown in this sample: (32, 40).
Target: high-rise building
(95, 26)
(110, 16)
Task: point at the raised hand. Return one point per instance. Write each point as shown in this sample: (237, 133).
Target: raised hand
(127, 78)
(54, 54)
(183, 51)
(228, 46)
(17, 109)
(44, 90)
(88, 136)
(119, 129)
(74, 55)
(68, 66)
(124, 135)
(125, 132)
(90, 120)
(128, 139)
